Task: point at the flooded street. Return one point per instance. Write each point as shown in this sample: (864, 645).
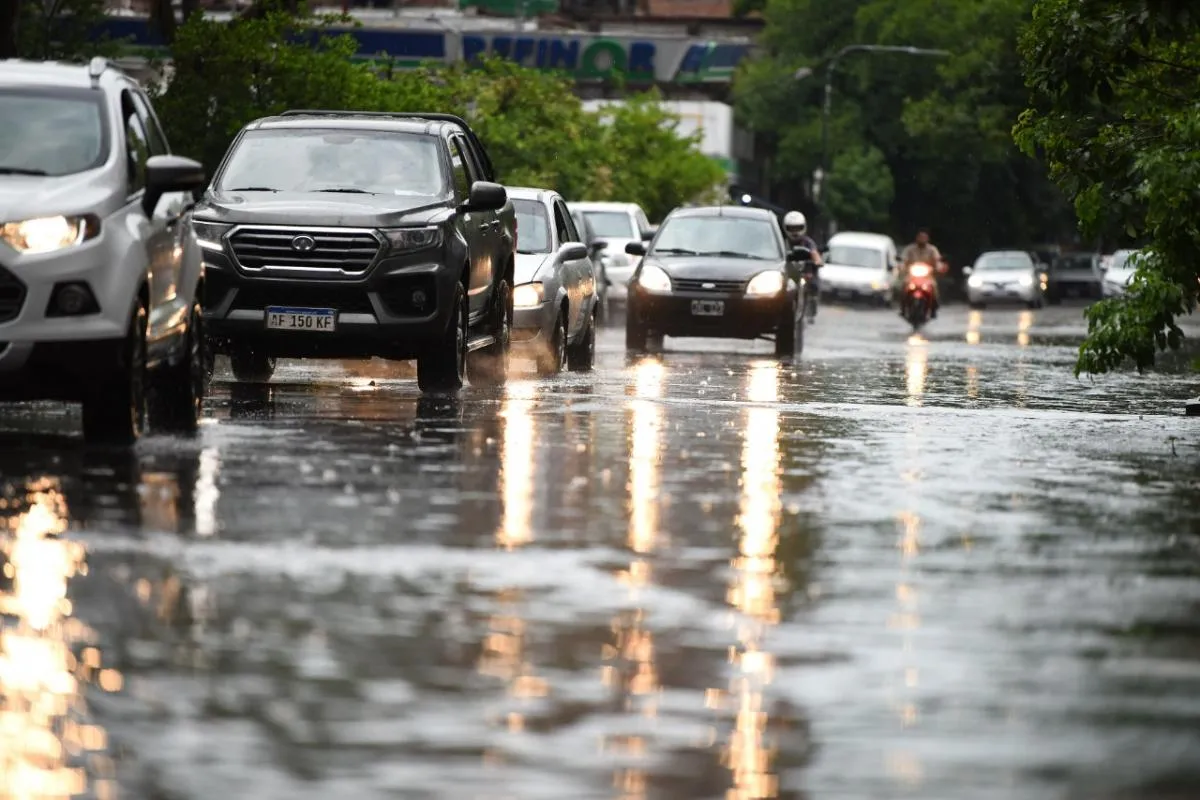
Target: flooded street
(934, 567)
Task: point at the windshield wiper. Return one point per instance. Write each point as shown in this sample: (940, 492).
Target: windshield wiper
(344, 190)
(252, 189)
(21, 171)
(674, 251)
(729, 254)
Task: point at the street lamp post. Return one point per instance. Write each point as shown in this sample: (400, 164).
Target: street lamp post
(827, 106)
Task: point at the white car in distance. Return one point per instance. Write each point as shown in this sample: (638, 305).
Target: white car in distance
(616, 224)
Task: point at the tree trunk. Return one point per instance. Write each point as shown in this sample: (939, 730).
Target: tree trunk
(10, 15)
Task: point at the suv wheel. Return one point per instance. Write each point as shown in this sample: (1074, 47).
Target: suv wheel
(116, 412)
(582, 355)
(442, 367)
(177, 392)
(488, 366)
(251, 366)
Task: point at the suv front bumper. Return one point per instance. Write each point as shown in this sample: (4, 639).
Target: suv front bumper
(394, 311)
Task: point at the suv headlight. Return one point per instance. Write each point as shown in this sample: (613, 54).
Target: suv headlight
(209, 234)
(654, 279)
(401, 239)
(49, 234)
(765, 284)
(528, 295)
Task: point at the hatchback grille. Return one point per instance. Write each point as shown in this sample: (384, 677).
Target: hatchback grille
(350, 301)
(12, 295)
(348, 250)
(714, 286)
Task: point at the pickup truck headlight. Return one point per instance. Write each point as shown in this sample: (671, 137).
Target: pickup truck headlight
(403, 239)
(528, 295)
(765, 284)
(49, 234)
(210, 234)
(654, 279)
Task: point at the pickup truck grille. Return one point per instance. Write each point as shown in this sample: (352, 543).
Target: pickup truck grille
(348, 250)
(713, 286)
(12, 295)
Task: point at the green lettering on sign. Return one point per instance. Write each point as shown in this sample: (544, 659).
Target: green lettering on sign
(589, 66)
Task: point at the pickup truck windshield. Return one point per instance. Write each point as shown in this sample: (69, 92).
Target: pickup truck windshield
(50, 134)
(335, 161)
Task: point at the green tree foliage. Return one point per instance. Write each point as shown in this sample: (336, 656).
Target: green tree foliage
(44, 30)
(940, 125)
(1115, 113)
(534, 126)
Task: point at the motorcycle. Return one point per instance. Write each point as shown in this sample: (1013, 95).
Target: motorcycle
(919, 292)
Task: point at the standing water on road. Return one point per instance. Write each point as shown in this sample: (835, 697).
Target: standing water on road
(935, 567)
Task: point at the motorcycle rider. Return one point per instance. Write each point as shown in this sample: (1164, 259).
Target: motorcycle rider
(795, 226)
(921, 251)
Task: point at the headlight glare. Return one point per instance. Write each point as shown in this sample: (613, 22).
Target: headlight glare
(765, 284)
(413, 238)
(974, 281)
(528, 295)
(654, 279)
(1025, 280)
(49, 234)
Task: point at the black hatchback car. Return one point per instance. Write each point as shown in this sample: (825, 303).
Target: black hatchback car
(720, 271)
(336, 234)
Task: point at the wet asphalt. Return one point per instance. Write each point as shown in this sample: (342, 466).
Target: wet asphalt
(932, 566)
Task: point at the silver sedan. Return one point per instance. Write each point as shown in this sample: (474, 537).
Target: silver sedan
(554, 286)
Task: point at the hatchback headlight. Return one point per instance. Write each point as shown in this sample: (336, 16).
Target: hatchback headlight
(49, 234)
(413, 238)
(210, 234)
(528, 295)
(974, 281)
(765, 283)
(1025, 280)
(654, 279)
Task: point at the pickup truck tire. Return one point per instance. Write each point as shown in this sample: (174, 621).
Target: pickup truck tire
(251, 366)
(581, 356)
(177, 391)
(488, 366)
(115, 413)
(442, 367)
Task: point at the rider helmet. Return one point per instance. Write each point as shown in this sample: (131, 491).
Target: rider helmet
(795, 223)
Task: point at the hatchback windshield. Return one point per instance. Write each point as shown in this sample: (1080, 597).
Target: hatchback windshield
(58, 134)
(1016, 261)
(614, 224)
(533, 227)
(360, 162)
(738, 237)
(855, 257)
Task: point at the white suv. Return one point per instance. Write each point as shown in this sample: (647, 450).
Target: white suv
(100, 271)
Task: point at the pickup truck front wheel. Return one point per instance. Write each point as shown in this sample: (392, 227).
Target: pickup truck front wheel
(442, 367)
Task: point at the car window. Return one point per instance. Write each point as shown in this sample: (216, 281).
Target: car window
(533, 226)
(1069, 263)
(155, 138)
(846, 256)
(708, 235)
(53, 134)
(323, 160)
(468, 158)
(562, 224)
(462, 181)
(571, 229)
(614, 224)
(137, 147)
(1004, 261)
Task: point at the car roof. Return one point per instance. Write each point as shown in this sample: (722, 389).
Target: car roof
(588, 205)
(739, 212)
(530, 193)
(862, 238)
(990, 253)
(303, 122)
(61, 74)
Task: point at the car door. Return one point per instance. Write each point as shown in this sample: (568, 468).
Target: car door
(476, 229)
(578, 278)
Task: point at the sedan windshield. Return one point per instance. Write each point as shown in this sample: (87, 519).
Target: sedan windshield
(55, 134)
(355, 162)
(1004, 262)
(734, 237)
(533, 227)
(614, 224)
(855, 257)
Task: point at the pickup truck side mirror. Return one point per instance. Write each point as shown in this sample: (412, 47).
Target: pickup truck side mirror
(485, 196)
(636, 248)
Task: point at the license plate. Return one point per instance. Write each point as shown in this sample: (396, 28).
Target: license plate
(708, 308)
(285, 318)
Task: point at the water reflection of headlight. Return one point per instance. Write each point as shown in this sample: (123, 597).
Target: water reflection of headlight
(517, 465)
(644, 453)
(916, 364)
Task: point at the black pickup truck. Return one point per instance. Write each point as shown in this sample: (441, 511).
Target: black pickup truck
(340, 234)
